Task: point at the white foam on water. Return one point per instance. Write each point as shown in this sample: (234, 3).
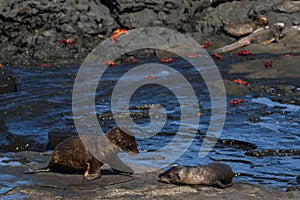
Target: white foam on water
(270, 103)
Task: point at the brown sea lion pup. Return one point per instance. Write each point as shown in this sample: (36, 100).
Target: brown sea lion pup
(242, 29)
(212, 174)
(71, 155)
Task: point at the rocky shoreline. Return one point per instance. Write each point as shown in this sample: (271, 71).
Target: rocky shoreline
(31, 31)
(31, 34)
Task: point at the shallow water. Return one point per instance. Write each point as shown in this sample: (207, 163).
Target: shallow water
(43, 103)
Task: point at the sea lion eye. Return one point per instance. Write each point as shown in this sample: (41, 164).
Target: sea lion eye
(118, 141)
(168, 176)
(178, 176)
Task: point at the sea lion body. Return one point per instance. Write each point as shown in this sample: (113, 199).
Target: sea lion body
(212, 174)
(72, 156)
(262, 35)
(242, 29)
(239, 30)
(224, 172)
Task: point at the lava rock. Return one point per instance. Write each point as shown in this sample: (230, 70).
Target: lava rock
(28, 28)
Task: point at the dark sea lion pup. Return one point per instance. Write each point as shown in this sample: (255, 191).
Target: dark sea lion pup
(71, 155)
(212, 174)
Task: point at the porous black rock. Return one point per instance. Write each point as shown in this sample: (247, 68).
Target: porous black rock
(31, 31)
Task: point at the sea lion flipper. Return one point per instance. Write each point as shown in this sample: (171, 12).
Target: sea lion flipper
(91, 177)
(241, 43)
(223, 185)
(118, 165)
(91, 173)
(45, 169)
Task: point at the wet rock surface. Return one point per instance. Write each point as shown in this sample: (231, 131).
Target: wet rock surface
(113, 185)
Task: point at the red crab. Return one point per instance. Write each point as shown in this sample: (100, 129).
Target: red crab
(240, 81)
(151, 77)
(243, 53)
(166, 60)
(1, 66)
(235, 102)
(206, 44)
(268, 64)
(111, 63)
(67, 41)
(217, 56)
(132, 60)
(115, 35)
(288, 55)
(44, 65)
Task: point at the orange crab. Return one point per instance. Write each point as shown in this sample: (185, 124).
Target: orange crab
(206, 44)
(288, 55)
(166, 60)
(240, 81)
(235, 102)
(67, 41)
(115, 35)
(268, 64)
(193, 55)
(217, 56)
(1, 66)
(243, 53)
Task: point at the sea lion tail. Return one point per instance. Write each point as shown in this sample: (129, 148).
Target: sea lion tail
(233, 46)
(45, 169)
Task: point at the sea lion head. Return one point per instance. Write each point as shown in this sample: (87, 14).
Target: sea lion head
(173, 175)
(123, 138)
(260, 20)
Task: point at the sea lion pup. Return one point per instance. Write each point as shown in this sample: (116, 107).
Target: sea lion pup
(71, 155)
(242, 29)
(212, 174)
(262, 35)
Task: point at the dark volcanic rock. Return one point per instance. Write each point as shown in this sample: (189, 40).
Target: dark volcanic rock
(31, 31)
(237, 89)
(274, 152)
(175, 14)
(212, 18)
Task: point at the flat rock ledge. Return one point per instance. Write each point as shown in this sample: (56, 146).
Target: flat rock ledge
(145, 186)
(114, 186)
